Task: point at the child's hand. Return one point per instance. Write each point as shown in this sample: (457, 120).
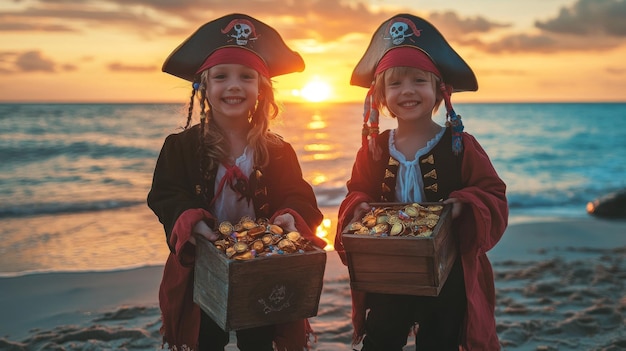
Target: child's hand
(457, 206)
(286, 221)
(359, 211)
(201, 228)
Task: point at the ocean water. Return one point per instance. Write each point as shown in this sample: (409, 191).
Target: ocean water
(74, 177)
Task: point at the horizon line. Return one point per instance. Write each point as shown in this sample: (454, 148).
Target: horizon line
(139, 102)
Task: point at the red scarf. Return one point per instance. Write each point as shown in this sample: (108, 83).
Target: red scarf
(236, 180)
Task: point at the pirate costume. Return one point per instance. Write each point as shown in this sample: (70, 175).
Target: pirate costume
(452, 165)
(181, 197)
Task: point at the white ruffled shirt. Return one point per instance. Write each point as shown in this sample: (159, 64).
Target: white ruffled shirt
(409, 182)
(226, 206)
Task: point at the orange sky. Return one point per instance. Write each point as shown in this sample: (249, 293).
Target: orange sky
(112, 50)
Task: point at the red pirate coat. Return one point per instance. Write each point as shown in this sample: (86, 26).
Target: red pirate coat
(176, 199)
(469, 177)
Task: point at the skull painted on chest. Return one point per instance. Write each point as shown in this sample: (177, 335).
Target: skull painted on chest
(278, 294)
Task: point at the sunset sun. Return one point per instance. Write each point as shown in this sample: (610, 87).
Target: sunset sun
(316, 91)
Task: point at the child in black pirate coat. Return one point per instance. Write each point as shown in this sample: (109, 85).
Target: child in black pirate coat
(226, 167)
(410, 70)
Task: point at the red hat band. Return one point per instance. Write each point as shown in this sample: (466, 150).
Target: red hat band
(236, 55)
(406, 56)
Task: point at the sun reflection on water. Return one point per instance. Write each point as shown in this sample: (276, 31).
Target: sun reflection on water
(316, 123)
(317, 147)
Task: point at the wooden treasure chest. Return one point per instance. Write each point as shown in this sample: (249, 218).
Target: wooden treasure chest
(400, 248)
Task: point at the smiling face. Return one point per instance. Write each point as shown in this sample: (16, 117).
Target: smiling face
(232, 91)
(409, 93)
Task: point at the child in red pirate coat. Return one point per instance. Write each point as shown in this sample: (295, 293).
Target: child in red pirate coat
(224, 168)
(410, 69)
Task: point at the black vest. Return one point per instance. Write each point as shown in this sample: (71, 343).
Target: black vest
(441, 170)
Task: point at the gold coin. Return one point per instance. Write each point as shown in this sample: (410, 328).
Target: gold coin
(421, 221)
(397, 229)
(221, 242)
(258, 245)
(411, 211)
(243, 256)
(393, 219)
(383, 218)
(381, 228)
(379, 210)
(425, 233)
(267, 239)
(418, 206)
(240, 247)
(286, 245)
(431, 223)
(435, 208)
(354, 226)
(363, 230)
(294, 236)
(369, 220)
(238, 227)
(241, 234)
(256, 231)
(432, 216)
(226, 228)
(247, 223)
(275, 229)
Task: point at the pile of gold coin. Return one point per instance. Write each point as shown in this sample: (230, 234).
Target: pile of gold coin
(248, 239)
(405, 220)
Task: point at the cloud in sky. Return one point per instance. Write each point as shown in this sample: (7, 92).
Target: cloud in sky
(136, 34)
(321, 20)
(30, 61)
(33, 27)
(586, 25)
(453, 25)
(121, 67)
(27, 61)
(589, 18)
(33, 61)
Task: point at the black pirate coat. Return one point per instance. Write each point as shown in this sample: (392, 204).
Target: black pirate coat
(177, 199)
(177, 182)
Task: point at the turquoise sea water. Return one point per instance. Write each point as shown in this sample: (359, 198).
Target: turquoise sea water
(86, 159)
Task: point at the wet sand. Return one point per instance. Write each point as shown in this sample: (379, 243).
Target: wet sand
(560, 286)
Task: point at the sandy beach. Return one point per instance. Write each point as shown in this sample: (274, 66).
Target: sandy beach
(560, 286)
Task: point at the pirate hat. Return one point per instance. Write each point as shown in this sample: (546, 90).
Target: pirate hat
(402, 33)
(408, 30)
(234, 31)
